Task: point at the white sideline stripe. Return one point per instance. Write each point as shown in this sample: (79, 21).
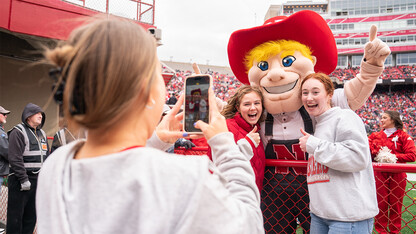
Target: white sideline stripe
(411, 176)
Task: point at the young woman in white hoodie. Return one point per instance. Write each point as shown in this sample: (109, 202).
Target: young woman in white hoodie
(116, 181)
(340, 174)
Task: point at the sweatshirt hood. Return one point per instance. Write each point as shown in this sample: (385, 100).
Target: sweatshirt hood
(31, 109)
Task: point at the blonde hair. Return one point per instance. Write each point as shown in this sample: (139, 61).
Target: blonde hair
(107, 65)
(269, 49)
(234, 102)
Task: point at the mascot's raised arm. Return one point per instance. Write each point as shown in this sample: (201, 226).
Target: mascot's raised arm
(276, 57)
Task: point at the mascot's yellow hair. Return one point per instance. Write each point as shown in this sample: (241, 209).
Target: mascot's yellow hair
(271, 48)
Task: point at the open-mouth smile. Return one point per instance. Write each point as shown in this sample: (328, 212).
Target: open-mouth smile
(281, 89)
(312, 106)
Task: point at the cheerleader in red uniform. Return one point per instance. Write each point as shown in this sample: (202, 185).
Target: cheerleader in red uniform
(391, 145)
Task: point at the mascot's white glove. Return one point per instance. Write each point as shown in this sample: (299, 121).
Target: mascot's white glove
(375, 51)
(385, 156)
(360, 88)
(25, 186)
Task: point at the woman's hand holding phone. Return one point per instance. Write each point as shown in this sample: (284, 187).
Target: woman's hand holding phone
(170, 127)
(217, 123)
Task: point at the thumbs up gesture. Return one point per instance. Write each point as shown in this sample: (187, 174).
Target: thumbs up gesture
(375, 51)
(303, 140)
(254, 136)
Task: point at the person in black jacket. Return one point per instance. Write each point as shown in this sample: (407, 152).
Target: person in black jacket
(4, 146)
(66, 135)
(172, 100)
(28, 149)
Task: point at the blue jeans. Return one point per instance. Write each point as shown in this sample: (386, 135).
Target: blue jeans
(320, 226)
(1, 181)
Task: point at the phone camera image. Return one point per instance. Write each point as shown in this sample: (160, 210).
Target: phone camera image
(196, 101)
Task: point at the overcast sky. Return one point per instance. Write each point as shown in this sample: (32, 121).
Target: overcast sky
(198, 31)
(194, 30)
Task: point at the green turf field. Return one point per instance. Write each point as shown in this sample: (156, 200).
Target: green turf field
(409, 208)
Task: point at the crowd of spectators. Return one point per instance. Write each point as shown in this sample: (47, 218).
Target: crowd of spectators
(344, 74)
(379, 101)
(401, 101)
(392, 72)
(224, 85)
(408, 71)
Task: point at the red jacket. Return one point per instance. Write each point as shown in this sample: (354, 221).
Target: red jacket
(240, 128)
(400, 144)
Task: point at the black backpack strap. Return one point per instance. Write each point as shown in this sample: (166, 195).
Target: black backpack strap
(268, 126)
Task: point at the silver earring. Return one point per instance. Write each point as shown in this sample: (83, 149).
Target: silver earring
(153, 104)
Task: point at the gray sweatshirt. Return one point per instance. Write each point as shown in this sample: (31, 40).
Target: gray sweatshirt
(340, 174)
(145, 190)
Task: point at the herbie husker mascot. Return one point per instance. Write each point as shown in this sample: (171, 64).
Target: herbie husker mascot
(276, 57)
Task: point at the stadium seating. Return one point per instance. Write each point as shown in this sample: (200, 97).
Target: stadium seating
(379, 101)
(393, 72)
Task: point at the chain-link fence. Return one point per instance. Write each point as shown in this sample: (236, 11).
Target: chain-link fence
(285, 204)
(3, 203)
(140, 10)
(396, 195)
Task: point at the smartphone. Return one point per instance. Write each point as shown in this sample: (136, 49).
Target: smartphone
(196, 102)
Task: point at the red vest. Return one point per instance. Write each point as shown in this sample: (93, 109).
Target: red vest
(240, 128)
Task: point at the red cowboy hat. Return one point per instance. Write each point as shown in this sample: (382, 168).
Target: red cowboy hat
(196, 92)
(306, 27)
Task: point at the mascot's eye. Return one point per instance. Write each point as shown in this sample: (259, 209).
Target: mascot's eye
(288, 61)
(263, 65)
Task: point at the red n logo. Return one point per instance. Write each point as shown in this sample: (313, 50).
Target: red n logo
(282, 152)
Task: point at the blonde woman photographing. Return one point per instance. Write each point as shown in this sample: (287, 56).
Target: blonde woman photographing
(115, 181)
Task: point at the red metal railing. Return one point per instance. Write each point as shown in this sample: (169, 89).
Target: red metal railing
(194, 151)
(388, 195)
(394, 167)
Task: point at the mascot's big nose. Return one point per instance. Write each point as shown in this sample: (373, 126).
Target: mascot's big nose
(276, 73)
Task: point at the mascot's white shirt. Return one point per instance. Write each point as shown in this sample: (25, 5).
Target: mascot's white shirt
(287, 125)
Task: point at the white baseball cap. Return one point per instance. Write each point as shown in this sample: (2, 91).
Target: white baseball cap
(4, 111)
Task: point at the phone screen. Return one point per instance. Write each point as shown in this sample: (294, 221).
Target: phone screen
(196, 101)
